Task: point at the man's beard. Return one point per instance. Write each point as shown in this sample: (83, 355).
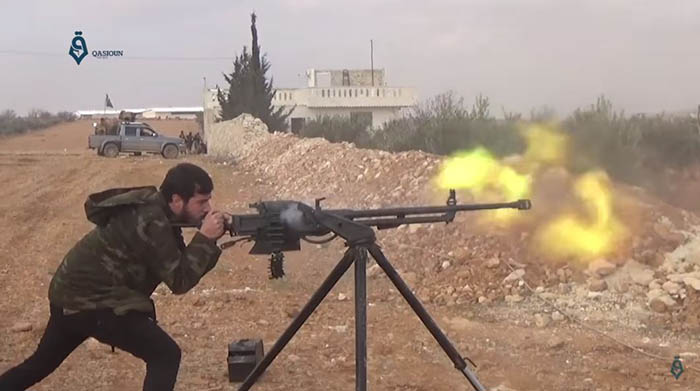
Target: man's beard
(186, 217)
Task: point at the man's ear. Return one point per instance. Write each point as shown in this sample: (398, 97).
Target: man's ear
(177, 203)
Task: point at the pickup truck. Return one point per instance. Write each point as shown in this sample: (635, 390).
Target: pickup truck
(135, 137)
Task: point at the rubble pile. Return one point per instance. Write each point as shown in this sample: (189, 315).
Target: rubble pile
(455, 263)
(237, 137)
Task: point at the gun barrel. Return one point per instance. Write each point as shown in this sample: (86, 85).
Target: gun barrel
(423, 210)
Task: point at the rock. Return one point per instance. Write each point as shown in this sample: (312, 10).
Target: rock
(597, 285)
(640, 274)
(493, 263)
(461, 324)
(482, 299)
(594, 295)
(21, 327)
(515, 275)
(450, 290)
(654, 285)
(263, 322)
(671, 287)
(601, 268)
(291, 312)
(692, 282)
(539, 289)
(342, 297)
(199, 302)
(513, 298)
(445, 265)
(666, 232)
(557, 316)
(654, 293)
(502, 387)
(293, 358)
(555, 343)
(93, 344)
(662, 303)
(542, 320)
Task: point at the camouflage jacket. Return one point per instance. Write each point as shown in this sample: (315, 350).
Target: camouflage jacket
(132, 249)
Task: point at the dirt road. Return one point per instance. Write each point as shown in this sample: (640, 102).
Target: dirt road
(48, 174)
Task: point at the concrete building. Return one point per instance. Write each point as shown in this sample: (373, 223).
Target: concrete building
(172, 112)
(358, 93)
(149, 113)
(110, 113)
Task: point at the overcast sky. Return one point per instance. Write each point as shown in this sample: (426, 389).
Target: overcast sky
(523, 54)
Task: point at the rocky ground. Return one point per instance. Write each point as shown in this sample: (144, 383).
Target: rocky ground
(529, 324)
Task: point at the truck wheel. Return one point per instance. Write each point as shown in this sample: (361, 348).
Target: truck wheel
(110, 150)
(170, 151)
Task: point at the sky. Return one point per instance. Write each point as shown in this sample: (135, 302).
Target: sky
(522, 54)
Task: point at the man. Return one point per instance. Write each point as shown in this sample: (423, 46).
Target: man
(103, 286)
(188, 141)
(196, 143)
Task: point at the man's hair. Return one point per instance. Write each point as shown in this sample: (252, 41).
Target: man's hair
(185, 180)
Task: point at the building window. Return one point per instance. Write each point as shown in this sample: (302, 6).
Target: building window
(323, 93)
(366, 92)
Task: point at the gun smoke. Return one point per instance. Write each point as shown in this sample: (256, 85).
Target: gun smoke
(293, 217)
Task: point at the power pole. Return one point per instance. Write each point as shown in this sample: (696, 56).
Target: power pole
(371, 58)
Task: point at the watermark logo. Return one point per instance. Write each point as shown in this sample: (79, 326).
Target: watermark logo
(677, 367)
(104, 54)
(78, 48)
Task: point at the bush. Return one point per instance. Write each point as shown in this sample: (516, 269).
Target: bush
(11, 123)
(632, 149)
(443, 125)
(338, 129)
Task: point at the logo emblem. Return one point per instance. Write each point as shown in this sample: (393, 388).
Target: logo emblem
(78, 48)
(677, 367)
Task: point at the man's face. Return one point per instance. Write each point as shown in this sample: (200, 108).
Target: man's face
(192, 211)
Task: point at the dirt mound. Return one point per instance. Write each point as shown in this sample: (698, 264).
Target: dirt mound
(461, 263)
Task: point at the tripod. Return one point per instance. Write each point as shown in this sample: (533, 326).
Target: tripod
(357, 253)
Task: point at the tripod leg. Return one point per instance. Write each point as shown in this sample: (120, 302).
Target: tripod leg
(296, 324)
(427, 320)
(361, 320)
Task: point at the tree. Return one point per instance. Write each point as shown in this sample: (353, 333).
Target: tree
(249, 90)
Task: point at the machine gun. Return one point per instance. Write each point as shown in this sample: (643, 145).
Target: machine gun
(281, 225)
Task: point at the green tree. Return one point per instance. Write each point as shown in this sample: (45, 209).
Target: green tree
(249, 89)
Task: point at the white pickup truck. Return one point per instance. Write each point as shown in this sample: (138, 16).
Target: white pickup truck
(136, 137)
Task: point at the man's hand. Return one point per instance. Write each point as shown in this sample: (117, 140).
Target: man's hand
(213, 225)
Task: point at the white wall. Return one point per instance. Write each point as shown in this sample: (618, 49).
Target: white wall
(380, 115)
